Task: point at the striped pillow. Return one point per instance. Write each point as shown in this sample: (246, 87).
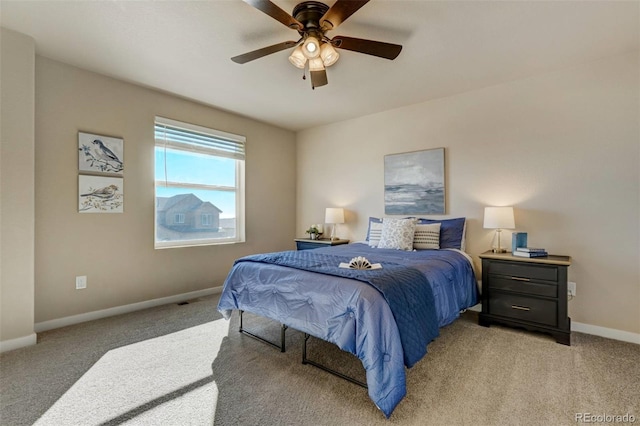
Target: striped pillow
(427, 237)
(375, 233)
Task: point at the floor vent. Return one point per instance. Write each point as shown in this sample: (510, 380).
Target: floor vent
(183, 303)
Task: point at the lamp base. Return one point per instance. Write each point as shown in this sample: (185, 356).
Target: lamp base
(499, 250)
(333, 233)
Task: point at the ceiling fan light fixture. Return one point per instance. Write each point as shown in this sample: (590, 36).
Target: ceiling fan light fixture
(314, 51)
(316, 64)
(328, 54)
(311, 47)
(297, 58)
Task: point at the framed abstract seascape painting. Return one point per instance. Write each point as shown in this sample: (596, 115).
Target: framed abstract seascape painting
(414, 182)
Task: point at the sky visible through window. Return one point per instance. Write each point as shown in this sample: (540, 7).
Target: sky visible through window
(196, 168)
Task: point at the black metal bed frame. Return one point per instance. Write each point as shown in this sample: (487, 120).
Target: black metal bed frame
(305, 360)
(283, 328)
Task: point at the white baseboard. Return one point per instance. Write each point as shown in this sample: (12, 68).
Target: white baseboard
(20, 342)
(610, 333)
(476, 308)
(117, 310)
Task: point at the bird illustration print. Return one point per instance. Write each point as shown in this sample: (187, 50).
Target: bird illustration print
(106, 193)
(99, 194)
(103, 153)
(100, 154)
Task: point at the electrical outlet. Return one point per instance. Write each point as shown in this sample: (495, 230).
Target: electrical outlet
(81, 282)
(571, 288)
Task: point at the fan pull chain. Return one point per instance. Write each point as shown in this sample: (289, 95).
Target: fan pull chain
(304, 77)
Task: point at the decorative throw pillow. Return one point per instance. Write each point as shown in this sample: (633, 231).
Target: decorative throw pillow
(372, 220)
(427, 237)
(397, 234)
(452, 231)
(375, 232)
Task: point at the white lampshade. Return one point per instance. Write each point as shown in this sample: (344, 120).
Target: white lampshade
(334, 215)
(311, 47)
(316, 64)
(328, 54)
(297, 58)
(499, 218)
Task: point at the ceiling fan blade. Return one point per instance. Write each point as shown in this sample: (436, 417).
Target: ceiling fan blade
(369, 47)
(256, 54)
(339, 12)
(276, 13)
(318, 78)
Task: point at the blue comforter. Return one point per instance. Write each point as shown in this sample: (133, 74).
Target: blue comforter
(358, 310)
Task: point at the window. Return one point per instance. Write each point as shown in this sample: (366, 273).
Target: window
(199, 180)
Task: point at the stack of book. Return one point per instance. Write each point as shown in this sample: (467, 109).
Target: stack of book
(530, 252)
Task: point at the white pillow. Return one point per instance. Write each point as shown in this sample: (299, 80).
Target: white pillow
(375, 232)
(427, 236)
(397, 234)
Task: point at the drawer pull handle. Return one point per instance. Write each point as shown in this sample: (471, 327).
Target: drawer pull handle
(521, 308)
(520, 279)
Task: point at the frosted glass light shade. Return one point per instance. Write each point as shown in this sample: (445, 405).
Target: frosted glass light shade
(328, 54)
(334, 215)
(297, 58)
(499, 218)
(316, 64)
(311, 47)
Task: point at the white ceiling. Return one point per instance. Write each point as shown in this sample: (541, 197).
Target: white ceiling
(449, 47)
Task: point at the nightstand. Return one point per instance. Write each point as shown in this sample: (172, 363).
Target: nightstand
(307, 244)
(526, 292)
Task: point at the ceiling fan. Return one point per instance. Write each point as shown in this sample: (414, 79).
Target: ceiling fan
(314, 49)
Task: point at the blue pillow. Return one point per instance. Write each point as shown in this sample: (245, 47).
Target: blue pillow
(451, 231)
(372, 220)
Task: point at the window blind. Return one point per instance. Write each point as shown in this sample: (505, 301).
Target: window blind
(181, 136)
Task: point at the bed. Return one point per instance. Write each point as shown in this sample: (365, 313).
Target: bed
(386, 317)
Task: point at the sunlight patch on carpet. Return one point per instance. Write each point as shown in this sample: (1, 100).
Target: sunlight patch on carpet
(167, 377)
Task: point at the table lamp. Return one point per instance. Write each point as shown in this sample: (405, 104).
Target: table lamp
(334, 216)
(499, 218)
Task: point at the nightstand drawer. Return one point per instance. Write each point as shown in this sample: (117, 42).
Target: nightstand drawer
(301, 245)
(308, 244)
(524, 308)
(523, 270)
(521, 285)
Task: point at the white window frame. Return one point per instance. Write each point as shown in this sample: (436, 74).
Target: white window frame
(239, 189)
(207, 216)
(179, 218)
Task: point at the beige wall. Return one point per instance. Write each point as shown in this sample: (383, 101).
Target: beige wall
(115, 251)
(17, 55)
(563, 148)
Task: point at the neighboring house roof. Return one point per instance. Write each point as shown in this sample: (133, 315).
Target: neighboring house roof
(183, 202)
(161, 202)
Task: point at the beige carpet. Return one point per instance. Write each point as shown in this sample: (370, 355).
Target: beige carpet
(472, 375)
(184, 365)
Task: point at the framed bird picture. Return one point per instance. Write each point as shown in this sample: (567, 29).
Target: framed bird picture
(100, 154)
(100, 194)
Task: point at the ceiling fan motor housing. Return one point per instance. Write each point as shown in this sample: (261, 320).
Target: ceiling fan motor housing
(309, 13)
